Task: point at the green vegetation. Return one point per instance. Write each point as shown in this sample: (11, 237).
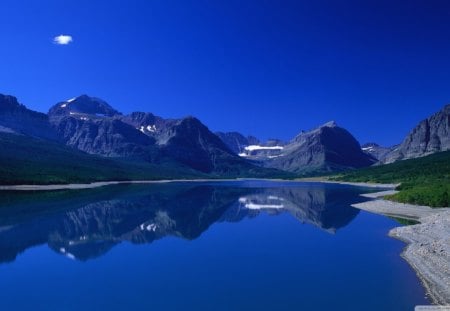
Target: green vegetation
(405, 222)
(424, 181)
(26, 160)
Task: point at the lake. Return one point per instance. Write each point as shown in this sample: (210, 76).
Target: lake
(247, 245)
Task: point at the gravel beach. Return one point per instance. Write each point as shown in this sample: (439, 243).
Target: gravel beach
(428, 249)
(428, 252)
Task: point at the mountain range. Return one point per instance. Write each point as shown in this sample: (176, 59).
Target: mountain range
(88, 130)
(332, 148)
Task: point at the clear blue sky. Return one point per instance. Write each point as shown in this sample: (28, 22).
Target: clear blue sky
(267, 68)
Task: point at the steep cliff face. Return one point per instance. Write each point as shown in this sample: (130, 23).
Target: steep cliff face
(149, 124)
(326, 148)
(429, 136)
(236, 141)
(192, 143)
(16, 118)
(103, 136)
(91, 125)
(377, 151)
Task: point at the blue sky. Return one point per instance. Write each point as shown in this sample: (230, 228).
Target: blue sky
(267, 68)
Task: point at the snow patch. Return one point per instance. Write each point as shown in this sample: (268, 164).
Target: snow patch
(71, 100)
(272, 197)
(148, 128)
(258, 147)
(151, 227)
(151, 128)
(243, 200)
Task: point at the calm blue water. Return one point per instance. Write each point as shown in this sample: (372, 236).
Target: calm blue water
(213, 246)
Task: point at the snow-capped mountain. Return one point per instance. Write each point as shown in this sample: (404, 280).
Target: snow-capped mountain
(91, 125)
(83, 106)
(328, 147)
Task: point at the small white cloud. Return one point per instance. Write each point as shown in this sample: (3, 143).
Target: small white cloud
(62, 39)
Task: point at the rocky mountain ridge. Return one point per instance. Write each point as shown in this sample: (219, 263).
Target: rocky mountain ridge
(16, 118)
(429, 136)
(91, 125)
(325, 148)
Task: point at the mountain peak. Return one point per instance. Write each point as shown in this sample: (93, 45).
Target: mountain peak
(370, 144)
(329, 124)
(8, 102)
(84, 104)
(429, 136)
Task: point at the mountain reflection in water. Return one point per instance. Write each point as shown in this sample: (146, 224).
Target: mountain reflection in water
(86, 224)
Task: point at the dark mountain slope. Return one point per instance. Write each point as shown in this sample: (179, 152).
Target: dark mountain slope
(429, 136)
(236, 141)
(27, 160)
(15, 117)
(326, 148)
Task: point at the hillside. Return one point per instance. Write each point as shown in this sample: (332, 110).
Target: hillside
(28, 160)
(424, 181)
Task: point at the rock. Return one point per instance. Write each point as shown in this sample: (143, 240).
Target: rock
(377, 151)
(236, 141)
(83, 105)
(91, 125)
(326, 148)
(16, 118)
(429, 136)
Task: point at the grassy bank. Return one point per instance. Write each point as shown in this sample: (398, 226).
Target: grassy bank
(424, 181)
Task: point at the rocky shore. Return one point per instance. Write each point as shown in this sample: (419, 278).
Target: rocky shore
(428, 252)
(428, 249)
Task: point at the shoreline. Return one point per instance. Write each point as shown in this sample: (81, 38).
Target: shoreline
(51, 187)
(98, 184)
(427, 248)
(428, 244)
